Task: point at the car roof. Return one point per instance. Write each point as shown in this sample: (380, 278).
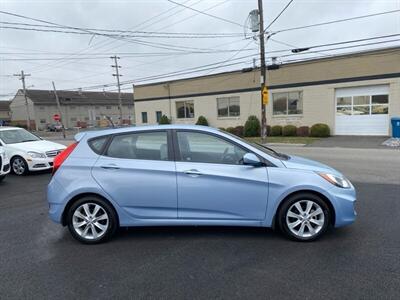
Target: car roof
(8, 128)
(95, 133)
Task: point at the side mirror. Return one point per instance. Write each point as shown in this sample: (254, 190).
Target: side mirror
(252, 160)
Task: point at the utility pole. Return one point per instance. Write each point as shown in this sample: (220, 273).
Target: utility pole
(59, 109)
(263, 80)
(22, 76)
(116, 66)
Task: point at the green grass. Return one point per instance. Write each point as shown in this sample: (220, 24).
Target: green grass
(285, 139)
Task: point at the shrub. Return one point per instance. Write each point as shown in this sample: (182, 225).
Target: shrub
(252, 127)
(164, 120)
(222, 128)
(303, 131)
(289, 130)
(230, 130)
(202, 121)
(320, 130)
(276, 130)
(239, 131)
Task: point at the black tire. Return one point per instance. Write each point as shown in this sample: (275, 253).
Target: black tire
(2, 178)
(301, 198)
(112, 224)
(23, 162)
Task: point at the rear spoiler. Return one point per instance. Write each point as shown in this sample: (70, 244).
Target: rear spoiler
(79, 136)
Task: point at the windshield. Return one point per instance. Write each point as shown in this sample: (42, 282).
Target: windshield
(262, 148)
(14, 136)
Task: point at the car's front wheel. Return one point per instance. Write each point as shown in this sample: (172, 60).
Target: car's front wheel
(91, 220)
(19, 166)
(304, 217)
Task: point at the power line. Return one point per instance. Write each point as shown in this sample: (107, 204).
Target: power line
(124, 56)
(138, 35)
(277, 17)
(104, 43)
(130, 31)
(347, 47)
(206, 14)
(337, 21)
(169, 74)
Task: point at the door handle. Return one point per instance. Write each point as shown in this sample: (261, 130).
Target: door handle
(110, 167)
(193, 172)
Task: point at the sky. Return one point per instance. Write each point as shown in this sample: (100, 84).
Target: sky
(75, 61)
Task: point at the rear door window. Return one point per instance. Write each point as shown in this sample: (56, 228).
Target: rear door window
(141, 145)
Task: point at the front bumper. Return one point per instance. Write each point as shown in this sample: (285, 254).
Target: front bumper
(39, 164)
(5, 169)
(344, 201)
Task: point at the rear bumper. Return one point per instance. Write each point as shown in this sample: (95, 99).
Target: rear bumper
(55, 192)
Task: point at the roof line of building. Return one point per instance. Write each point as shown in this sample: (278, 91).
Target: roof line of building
(279, 86)
(305, 61)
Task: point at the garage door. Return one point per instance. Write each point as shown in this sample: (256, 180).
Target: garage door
(362, 110)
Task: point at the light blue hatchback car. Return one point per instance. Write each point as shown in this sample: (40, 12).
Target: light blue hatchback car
(191, 175)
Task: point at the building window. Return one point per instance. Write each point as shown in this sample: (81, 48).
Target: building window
(86, 118)
(144, 117)
(97, 118)
(73, 119)
(108, 107)
(228, 107)
(287, 103)
(158, 116)
(72, 107)
(41, 107)
(362, 105)
(42, 121)
(185, 109)
(97, 107)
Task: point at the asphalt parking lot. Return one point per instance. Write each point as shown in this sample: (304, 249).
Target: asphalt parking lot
(39, 259)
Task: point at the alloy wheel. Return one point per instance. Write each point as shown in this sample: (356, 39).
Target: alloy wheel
(305, 218)
(18, 166)
(90, 221)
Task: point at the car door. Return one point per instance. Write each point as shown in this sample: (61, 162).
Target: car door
(212, 181)
(137, 170)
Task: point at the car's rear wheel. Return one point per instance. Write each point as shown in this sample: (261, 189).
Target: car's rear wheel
(304, 217)
(19, 166)
(91, 220)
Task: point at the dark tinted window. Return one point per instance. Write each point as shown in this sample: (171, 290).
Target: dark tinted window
(144, 117)
(158, 116)
(97, 144)
(143, 145)
(206, 148)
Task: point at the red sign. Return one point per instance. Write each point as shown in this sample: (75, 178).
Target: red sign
(56, 117)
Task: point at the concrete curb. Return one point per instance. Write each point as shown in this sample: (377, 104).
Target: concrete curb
(285, 145)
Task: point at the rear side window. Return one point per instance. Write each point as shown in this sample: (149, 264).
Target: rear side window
(97, 144)
(142, 145)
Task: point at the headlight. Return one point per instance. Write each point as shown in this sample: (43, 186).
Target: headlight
(336, 180)
(36, 154)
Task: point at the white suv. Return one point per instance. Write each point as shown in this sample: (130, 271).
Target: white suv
(4, 164)
(26, 151)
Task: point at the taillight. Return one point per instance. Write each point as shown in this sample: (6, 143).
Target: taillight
(60, 158)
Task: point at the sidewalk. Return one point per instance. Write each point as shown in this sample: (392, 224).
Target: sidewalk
(360, 142)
